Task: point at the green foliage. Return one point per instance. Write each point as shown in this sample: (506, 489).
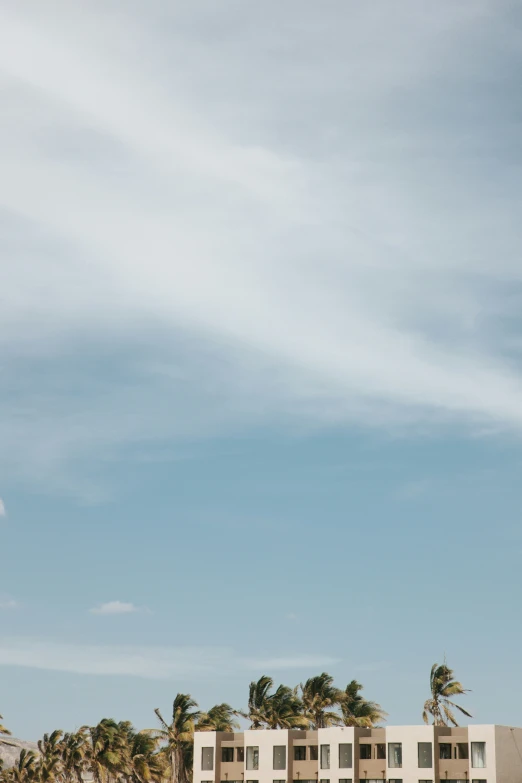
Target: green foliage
(439, 705)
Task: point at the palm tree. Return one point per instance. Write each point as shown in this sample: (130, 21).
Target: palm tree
(74, 756)
(3, 729)
(319, 695)
(179, 735)
(106, 747)
(443, 686)
(144, 763)
(258, 695)
(357, 711)
(284, 710)
(25, 768)
(221, 717)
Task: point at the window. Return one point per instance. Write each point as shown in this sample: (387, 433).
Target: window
(279, 781)
(299, 752)
(207, 758)
(240, 754)
(425, 781)
(227, 754)
(478, 755)
(345, 755)
(252, 757)
(479, 781)
(462, 750)
(425, 754)
(345, 780)
(325, 757)
(395, 780)
(445, 750)
(394, 754)
(252, 781)
(380, 750)
(324, 780)
(279, 756)
(314, 753)
(365, 751)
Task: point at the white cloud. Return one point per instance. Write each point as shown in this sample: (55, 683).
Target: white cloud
(143, 661)
(3, 512)
(6, 602)
(114, 607)
(326, 251)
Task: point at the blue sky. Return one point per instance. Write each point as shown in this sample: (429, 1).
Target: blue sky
(261, 388)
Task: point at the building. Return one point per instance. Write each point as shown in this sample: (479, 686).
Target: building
(395, 754)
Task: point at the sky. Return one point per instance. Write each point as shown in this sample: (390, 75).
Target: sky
(260, 353)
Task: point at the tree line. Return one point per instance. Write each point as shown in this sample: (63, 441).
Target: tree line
(115, 752)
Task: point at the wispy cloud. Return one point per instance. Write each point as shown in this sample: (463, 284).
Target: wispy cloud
(6, 602)
(144, 661)
(115, 607)
(3, 512)
(346, 265)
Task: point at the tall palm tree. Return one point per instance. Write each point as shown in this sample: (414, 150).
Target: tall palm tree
(357, 711)
(439, 705)
(221, 717)
(179, 735)
(319, 696)
(258, 695)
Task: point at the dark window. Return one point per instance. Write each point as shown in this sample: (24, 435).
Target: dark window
(365, 751)
(324, 780)
(478, 781)
(345, 780)
(425, 755)
(279, 756)
(299, 752)
(207, 758)
(345, 755)
(240, 754)
(227, 754)
(314, 752)
(444, 750)
(462, 750)
(380, 750)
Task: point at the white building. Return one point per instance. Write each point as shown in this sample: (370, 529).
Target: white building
(395, 754)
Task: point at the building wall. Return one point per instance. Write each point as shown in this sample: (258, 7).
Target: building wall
(204, 739)
(266, 741)
(333, 737)
(410, 736)
(508, 751)
(485, 734)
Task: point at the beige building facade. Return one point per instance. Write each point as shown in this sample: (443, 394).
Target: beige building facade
(395, 754)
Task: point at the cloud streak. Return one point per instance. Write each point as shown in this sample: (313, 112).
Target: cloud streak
(237, 257)
(149, 662)
(115, 607)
